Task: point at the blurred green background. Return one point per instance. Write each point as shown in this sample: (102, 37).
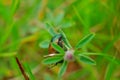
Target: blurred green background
(23, 32)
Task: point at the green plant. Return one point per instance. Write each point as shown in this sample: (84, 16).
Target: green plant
(71, 54)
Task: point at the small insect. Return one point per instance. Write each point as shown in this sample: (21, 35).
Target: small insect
(58, 39)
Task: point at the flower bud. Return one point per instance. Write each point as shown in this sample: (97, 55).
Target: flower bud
(69, 55)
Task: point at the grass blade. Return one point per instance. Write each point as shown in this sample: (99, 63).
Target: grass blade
(8, 54)
(109, 72)
(110, 69)
(28, 70)
(63, 69)
(79, 17)
(4, 13)
(14, 6)
(58, 48)
(85, 40)
(22, 69)
(7, 33)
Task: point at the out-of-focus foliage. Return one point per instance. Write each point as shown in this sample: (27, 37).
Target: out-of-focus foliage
(23, 30)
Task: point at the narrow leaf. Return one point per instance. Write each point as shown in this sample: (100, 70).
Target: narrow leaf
(87, 60)
(53, 59)
(67, 24)
(56, 37)
(44, 44)
(110, 70)
(85, 40)
(6, 33)
(91, 53)
(106, 56)
(63, 69)
(50, 29)
(79, 17)
(58, 48)
(65, 39)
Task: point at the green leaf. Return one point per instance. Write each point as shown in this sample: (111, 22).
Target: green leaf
(63, 69)
(58, 48)
(65, 39)
(50, 29)
(56, 37)
(85, 40)
(91, 53)
(87, 60)
(106, 56)
(67, 24)
(53, 59)
(44, 44)
(28, 70)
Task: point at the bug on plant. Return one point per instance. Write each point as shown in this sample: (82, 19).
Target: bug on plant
(58, 39)
(62, 52)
